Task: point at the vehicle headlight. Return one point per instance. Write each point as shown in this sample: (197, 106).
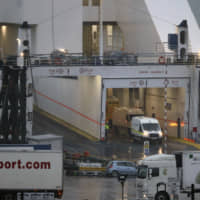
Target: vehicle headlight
(146, 134)
(145, 196)
(160, 133)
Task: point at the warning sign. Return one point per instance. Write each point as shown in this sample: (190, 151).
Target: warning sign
(166, 82)
(146, 147)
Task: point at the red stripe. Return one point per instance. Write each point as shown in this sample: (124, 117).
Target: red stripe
(69, 108)
(84, 116)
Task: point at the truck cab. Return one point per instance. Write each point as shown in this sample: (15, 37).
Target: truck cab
(146, 128)
(157, 178)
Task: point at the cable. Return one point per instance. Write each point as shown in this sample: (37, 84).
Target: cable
(154, 16)
(52, 25)
(64, 11)
(52, 18)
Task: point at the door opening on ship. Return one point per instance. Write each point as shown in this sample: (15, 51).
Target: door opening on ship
(123, 103)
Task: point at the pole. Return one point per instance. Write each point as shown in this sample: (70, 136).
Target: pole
(192, 192)
(165, 116)
(52, 25)
(179, 128)
(101, 30)
(122, 190)
(122, 179)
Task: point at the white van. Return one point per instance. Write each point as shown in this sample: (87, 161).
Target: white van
(146, 128)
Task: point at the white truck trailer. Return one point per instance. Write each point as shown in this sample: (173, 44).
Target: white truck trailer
(168, 177)
(31, 172)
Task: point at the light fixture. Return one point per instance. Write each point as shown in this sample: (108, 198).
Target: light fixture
(62, 50)
(18, 41)
(3, 29)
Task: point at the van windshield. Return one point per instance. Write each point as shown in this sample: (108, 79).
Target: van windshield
(142, 172)
(151, 127)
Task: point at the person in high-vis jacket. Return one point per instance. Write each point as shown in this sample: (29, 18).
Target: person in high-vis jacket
(106, 130)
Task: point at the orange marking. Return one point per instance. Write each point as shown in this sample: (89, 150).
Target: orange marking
(189, 140)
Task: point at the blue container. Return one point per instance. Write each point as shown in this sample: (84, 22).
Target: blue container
(172, 41)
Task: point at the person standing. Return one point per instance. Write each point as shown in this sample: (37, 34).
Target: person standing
(106, 131)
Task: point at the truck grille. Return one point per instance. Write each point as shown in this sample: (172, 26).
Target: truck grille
(154, 135)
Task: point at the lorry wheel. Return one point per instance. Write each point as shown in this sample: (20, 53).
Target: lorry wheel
(162, 196)
(115, 173)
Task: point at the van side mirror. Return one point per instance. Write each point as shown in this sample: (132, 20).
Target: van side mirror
(149, 173)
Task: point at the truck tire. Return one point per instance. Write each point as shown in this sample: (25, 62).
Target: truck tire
(162, 196)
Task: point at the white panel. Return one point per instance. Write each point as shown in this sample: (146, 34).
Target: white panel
(91, 13)
(194, 4)
(195, 85)
(67, 24)
(145, 83)
(21, 176)
(76, 101)
(124, 83)
(140, 34)
(187, 112)
(11, 11)
(110, 72)
(170, 83)
(103, 121)
(191, 169)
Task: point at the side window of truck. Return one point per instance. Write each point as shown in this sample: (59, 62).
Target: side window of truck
(140, 129)
(155, 172)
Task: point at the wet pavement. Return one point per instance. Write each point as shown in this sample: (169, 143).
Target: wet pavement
(99, 188)
(96, 188)
(120, 147)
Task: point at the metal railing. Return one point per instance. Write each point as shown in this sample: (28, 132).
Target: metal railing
(121, 60)
(124, 60)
